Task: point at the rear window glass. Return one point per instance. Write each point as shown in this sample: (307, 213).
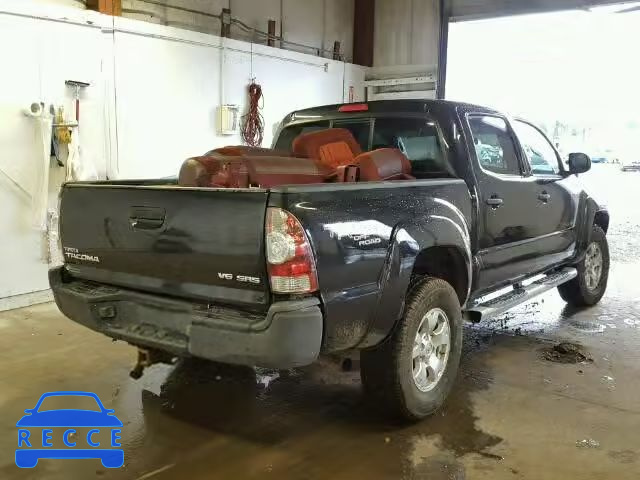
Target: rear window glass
(287, 135)
(360, 129)
(417, 138)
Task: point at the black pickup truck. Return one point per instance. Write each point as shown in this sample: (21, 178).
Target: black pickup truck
(390, 223)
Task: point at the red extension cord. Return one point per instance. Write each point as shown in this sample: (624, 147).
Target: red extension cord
(253, 123)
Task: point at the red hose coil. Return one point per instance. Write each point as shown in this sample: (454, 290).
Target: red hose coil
(253, 123)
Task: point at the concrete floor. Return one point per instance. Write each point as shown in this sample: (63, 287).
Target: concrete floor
(513, 413)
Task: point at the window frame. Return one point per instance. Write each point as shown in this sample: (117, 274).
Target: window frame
(442, 143)
(523, 163)
(561, 170)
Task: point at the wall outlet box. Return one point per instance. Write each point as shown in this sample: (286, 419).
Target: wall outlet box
(228, 119)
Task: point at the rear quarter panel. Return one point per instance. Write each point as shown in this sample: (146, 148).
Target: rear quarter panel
(365, 239)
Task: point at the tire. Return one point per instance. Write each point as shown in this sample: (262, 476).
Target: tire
(583, 291)
(387, 370)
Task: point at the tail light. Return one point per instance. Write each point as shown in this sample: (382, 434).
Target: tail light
(290, 261)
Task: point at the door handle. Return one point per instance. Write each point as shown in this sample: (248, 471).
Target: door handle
(146, 223)
(146, 218)
(544, 196)
(494, 201)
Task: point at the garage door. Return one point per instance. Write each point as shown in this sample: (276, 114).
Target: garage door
(475, 9)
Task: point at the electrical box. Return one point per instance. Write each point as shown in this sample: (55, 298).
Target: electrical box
(228, 119)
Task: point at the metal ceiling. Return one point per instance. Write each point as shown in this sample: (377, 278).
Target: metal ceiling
(461, 10)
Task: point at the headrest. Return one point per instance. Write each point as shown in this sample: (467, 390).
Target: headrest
(383, 164)
(309, 144)
(336, 154)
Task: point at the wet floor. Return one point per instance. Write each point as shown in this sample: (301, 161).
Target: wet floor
(524, 406)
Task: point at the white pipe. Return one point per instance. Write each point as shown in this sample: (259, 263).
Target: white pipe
(159, 36)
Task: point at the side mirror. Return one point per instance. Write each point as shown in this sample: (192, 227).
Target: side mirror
(579, 163)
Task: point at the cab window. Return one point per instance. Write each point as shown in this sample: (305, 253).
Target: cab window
(288, 134)
(359, 128)
(418, 139)
(540, 154)
(494, 146)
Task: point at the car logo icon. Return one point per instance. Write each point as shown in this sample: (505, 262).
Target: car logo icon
(32, 446)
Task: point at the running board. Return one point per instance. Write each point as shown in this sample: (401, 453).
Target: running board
(518, 295)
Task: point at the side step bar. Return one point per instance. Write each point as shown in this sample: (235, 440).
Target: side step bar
(518, 295)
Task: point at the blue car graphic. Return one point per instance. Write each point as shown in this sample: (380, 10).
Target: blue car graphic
(27, 457)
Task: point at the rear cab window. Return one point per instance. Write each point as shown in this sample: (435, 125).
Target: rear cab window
(288, 134)
(416, 137)
(359, 128)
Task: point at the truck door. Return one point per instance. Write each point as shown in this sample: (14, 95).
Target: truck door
(553, 200)
(507, 223)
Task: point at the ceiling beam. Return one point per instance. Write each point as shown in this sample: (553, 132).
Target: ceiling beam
(363, 30)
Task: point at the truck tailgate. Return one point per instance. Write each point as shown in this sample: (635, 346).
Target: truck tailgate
(199, 244)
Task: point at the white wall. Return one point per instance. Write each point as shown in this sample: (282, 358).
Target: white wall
(151, 103)
(407, 32)
(166, 104)
(42, 55)
(317, 23)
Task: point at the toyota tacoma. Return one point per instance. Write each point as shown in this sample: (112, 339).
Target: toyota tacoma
(373, 227)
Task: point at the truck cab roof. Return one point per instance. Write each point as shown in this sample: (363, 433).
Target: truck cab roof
(384, 106)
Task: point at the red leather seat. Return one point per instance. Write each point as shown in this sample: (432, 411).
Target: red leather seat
(383, 164)
(217, 171)
(273, 171)
(332, 148)
(213, 171)
(245, 151)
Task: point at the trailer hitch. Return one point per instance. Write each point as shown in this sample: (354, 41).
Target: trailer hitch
(146, 358)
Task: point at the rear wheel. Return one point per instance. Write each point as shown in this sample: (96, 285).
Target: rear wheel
(411, 373)
(593, 273)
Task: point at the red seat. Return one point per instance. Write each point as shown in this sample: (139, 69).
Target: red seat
(273, 171)
(383, 164)
(213, 171)
(245, 151)
(250, 171)
(332, 148)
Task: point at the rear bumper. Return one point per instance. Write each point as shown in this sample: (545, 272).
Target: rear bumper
(289, 335)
